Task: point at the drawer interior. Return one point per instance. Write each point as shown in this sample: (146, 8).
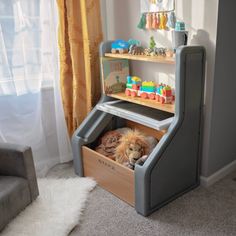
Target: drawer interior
(109, 174)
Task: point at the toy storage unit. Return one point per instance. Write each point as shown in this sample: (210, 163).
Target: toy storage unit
(173, 166)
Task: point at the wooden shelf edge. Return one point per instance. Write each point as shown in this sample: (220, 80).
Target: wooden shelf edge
(157, 59)
(145, 102)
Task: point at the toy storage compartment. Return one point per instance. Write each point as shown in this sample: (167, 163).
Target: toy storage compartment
(110, 175)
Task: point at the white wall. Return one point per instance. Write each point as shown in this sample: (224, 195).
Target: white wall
(121, 18)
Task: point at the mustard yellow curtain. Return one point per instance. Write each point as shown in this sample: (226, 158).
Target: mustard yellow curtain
(80, 34)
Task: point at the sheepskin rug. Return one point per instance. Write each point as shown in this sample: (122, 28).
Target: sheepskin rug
(56, 211)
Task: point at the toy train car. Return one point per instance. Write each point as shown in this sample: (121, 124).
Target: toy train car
(149, 90)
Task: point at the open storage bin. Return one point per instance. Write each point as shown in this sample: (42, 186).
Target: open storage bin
(172, 168)
(110, 175)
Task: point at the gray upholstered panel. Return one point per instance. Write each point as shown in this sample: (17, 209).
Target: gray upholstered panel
(14, 197)
(16, 160)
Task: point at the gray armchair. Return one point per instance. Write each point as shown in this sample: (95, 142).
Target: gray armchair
(18, 182)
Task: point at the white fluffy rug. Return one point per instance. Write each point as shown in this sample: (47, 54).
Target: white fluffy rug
(56, 211)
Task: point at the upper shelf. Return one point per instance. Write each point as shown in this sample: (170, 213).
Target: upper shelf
(158, 59)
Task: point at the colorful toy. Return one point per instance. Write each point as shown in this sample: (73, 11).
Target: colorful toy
(169, 52)
(179, 26)
(148, 90)
(120, 46)
(134, 42)
(152, 43)
(164, 94)
(160, 52)
(136, 50)
(155, 51)
(148, 51)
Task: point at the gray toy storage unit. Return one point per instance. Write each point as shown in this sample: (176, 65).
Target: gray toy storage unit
(172, 168)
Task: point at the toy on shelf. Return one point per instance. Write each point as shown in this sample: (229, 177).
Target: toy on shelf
(164, 94)
(136, 50)
(135, 47)
(154, 51)
(179, 35)
(169, 53)
(149, 90)
(120, 46)
(152, 43)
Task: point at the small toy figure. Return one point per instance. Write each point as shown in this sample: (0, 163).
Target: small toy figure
(120, 46)
(164, 94)
(179, 26)
(169, 52)
(160, 51)
(142, 22)
(148, 21)
(136, 88)
(147, 90)
(152, 43)
(134, 42)
(136, 50)
(147, 51)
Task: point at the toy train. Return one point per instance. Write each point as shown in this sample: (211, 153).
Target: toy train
(149, 90)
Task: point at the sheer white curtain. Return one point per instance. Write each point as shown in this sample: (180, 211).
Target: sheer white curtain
(31, 111)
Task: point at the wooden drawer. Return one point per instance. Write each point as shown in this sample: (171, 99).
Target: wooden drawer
(111, 175)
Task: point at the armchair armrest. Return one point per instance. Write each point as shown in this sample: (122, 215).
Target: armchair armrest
(17, 160)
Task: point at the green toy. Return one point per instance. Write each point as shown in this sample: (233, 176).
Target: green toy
(152, 43)
(142, 22)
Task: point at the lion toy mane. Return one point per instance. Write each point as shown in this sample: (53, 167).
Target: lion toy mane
(132, 147)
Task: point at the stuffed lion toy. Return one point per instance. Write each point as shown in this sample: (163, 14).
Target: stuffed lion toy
(133, 146)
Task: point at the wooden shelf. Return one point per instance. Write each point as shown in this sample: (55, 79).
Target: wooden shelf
(145, 102)
(158, 59)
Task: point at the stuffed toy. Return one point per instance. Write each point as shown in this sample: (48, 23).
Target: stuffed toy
(131, 148)
(109, 143)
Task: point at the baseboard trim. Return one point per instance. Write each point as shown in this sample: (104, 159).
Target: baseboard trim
(208, 181)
